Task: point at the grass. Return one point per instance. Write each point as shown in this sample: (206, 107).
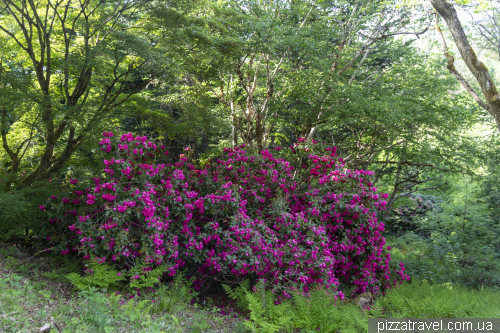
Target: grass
(425, 300)
(35, 292)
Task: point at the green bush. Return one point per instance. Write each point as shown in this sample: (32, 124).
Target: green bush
(457, 241)
(409, 213)
(19, 211)
(454, 257)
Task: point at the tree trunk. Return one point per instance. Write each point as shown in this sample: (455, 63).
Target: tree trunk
(477, 68)
(392, 196)
(234, 125)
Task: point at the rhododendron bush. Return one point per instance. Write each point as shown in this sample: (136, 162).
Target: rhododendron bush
(294, 217)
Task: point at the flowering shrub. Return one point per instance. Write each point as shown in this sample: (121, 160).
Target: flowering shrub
(297, 219)
(408, 217)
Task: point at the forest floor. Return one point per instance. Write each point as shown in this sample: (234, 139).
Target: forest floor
(34, 293)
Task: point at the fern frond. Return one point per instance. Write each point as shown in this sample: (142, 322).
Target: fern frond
(257, 318)
(230, 292)
(102, 276)
(238, 293)
(143, 276)
(51, 275)
(245, 285)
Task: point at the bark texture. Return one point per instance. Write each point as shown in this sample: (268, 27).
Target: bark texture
(477, 68)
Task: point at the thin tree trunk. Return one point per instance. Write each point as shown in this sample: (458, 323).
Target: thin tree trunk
(234, 124)
(392, 196)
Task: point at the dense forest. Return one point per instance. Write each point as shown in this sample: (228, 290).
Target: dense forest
(247, 165)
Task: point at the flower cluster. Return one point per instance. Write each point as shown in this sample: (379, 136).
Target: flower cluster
(298, 218)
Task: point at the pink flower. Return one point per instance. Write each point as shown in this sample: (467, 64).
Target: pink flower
(319, 228)
(82, 218)
(41, 207)
(126, 171)
(178, 174)
(90, 199)
(108, 197)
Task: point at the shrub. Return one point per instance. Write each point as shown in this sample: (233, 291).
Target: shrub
(18, 213)
(298, 219)
(454, 257)
(408, 217)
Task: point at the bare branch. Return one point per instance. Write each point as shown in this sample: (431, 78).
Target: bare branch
(404, 163)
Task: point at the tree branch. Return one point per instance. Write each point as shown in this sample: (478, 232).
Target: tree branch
(451, 68)
(478, 69)
(404, 163)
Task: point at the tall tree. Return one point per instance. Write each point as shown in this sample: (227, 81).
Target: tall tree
(302, 55)
(84, 61)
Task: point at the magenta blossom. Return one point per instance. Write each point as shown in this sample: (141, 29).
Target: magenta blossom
(299, 218)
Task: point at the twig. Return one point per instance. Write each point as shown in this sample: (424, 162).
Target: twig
(55, 324)
(9, 313)
(22, 262)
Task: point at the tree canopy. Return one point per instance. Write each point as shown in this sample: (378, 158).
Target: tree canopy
(211, 74)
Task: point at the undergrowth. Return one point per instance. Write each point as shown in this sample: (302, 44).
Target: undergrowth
(426, 300)
(320, 312)
(26, 305)
(106, 276)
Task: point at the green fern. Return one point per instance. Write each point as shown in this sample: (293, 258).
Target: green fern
(258, 321)
(320, 312)
(278, 314)
(348, 292)
(134, 310)
(70, 263)
(146, 278)
(176, 295)
(316, 312)
(425, 300)
(239, 293)
(51, 275)
(106, 276)
(376, 311)
(102, 276)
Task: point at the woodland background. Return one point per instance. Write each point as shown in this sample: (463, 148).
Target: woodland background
(372, 78)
